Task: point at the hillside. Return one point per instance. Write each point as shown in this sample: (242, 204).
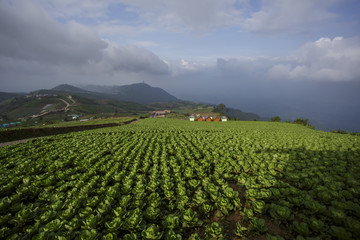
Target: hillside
(48, 106)
(240, 115)
(28, 105)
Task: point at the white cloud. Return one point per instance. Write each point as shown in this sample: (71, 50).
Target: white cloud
(326, 59)
(186, 65)
(289, 15)
(131, 59)
(240, 64)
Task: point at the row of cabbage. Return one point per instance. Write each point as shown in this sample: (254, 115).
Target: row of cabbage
(167, 179)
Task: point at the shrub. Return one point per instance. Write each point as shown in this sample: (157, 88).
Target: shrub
(275, 119)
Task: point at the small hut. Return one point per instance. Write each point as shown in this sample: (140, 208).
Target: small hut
(208, 119)
(200, 119)
(224, 119)
(159, 113)
(192, 118)
(216, 119)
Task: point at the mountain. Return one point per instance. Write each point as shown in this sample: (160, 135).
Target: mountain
(138, 92)
(68, 88)
(64, 100)
(245, 116)
(4, 95)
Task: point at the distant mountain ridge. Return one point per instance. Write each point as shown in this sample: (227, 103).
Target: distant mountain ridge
(68, 88)
(137, 92)
(5, 95)
(245, 116)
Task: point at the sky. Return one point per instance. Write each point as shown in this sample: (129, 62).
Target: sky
(272, 57)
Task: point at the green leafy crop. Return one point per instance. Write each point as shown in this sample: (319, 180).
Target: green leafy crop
(175, 179)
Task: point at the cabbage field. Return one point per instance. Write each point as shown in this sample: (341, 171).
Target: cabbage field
(175, 179)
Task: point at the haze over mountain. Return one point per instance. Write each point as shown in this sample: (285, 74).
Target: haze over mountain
(137, 92)
(285, 57)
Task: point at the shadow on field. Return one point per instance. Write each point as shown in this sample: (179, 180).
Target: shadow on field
(329, 178)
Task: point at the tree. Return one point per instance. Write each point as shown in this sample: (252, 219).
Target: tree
(301, 121)
(221, 108)
(275, 119)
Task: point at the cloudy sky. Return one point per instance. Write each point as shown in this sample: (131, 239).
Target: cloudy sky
(289, 57)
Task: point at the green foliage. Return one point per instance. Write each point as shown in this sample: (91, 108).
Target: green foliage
(165, 179)
(248, 213)
(171, 221)
(214, 231)
(190, 218)
(316, 225)
(304, 122)
(340, 233)
(271, 237)
(275, 119)
(131, 236)
(240, 231)
(301, 228)
(172, 235)
(280, 212)
(152, 214)
(221, 108)
(194, 236)
(258, 225)
(259, 206)
(134, 220)
(301, 121)
(110, 236)
(152, 232)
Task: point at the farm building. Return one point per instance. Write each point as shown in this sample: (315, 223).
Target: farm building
(224, 119)
(160, 113)
(206, 118)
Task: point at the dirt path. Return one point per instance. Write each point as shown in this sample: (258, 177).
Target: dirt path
(56, 110)
(66, 103)
(132, 122)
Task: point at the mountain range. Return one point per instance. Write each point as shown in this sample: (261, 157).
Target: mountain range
(92, 99)
(138, 92)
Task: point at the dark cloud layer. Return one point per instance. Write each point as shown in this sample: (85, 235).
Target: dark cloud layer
(29, 34)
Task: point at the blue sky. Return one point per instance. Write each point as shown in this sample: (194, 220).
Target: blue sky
(234, 50)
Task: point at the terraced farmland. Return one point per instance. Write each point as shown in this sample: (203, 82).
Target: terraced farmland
(174, 179)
